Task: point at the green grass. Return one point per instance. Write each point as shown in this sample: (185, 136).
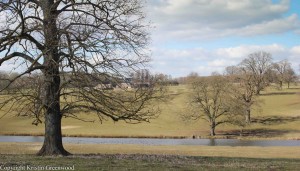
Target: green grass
(149, 162)
(279, 118)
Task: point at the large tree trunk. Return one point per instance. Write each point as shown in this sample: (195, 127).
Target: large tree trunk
(51, 100)
(212, 128)
(53, 135)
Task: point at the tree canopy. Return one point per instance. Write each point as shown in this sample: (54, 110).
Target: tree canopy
(71, 45)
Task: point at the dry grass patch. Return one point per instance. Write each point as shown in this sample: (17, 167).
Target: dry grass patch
(119, 162)
(186, 150)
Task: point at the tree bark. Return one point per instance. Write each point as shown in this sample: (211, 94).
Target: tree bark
(248, 115)
(280, 85)
(257, 92)
(53, 136)
(51, 99)
(212, 128)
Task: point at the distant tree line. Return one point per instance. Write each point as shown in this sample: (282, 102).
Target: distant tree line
(140, 78)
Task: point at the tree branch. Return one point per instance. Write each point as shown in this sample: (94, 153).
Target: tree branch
(22, 55)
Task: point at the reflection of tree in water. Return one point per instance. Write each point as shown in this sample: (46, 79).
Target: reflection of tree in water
(37, 139)
(212, 142)
(260, 132)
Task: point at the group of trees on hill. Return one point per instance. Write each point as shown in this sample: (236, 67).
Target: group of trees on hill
(264, 71)
(284, 73)
(229, 98)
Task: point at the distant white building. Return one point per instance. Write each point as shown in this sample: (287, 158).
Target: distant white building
(124, 86)
(103, 86)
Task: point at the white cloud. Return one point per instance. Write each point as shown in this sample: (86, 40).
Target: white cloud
(218, 13)
(295, 50)
(241, 51)
(294, 58)
(207, 61)
(270, 27)
(176, 61)
(210, 19)
(218, 63)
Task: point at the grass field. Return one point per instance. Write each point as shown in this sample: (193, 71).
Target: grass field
(139, 157)
(148, 162)
(184, 150)
(278, 118)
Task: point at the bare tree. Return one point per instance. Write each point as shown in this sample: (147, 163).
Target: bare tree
(73, 44)
(211, 100)
(232, 73)
(290, 76)
(258, 64)
(244, 90)
(280, 69)
(232, 70)
(246, 93)
(3, 79)
(191, 77)
(284, 72)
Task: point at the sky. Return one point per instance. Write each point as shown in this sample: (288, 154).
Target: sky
(205, 36)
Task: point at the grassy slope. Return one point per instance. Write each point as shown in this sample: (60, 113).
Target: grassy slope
(280, 115)
(279, 118)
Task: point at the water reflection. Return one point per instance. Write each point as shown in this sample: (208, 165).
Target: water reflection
(149, 141)
(212, 142)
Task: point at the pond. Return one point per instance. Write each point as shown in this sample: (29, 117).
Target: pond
(152, 141)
